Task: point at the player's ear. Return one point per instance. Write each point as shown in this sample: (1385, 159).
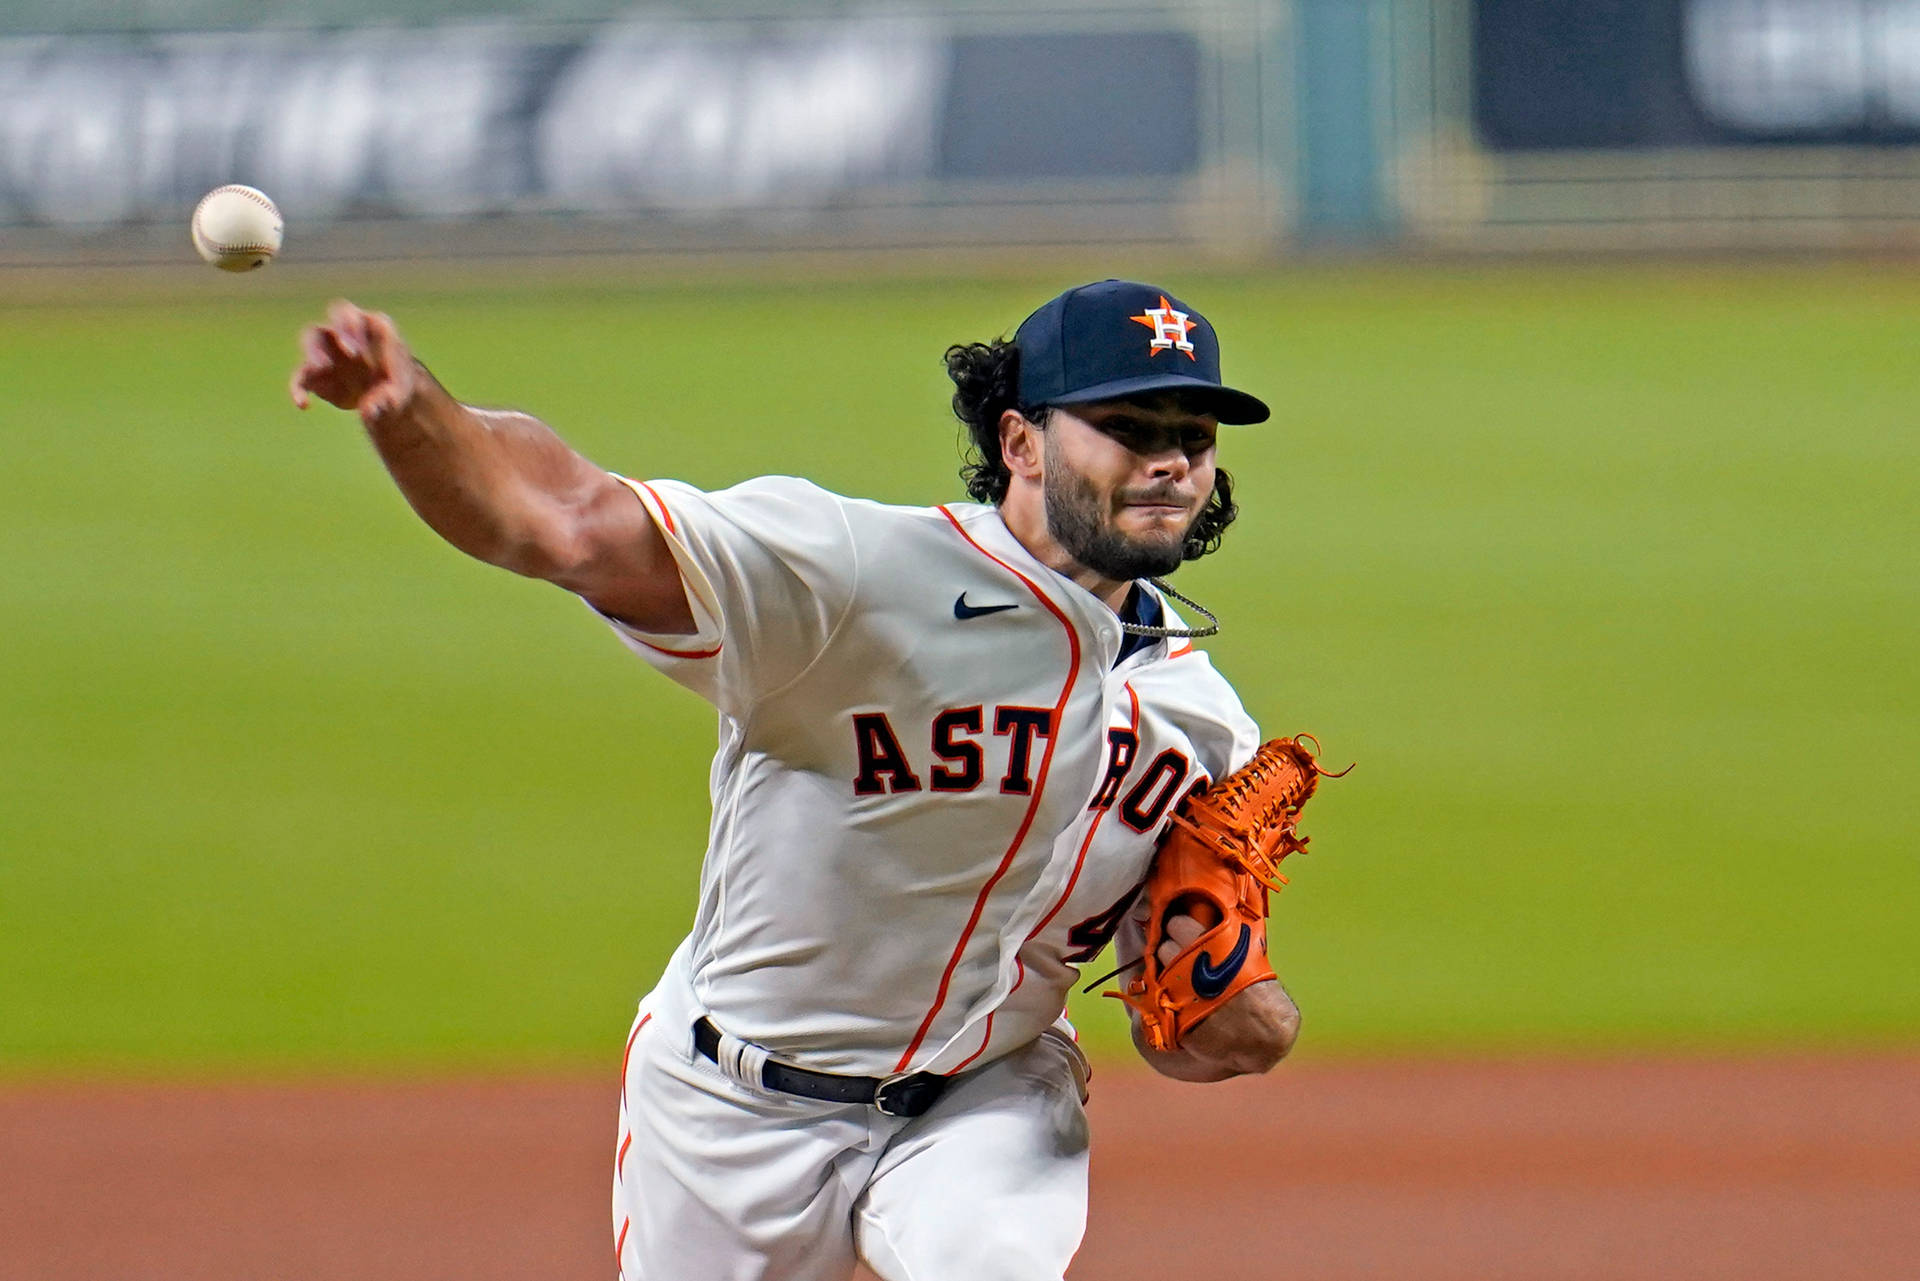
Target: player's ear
(1021, 448)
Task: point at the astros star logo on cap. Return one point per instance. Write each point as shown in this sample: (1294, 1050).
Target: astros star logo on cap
(1081, 347)
(1169, 328)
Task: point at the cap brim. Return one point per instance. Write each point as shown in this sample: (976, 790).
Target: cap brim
(1226, 404)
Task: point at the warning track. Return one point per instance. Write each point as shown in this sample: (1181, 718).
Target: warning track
(1742, 1169)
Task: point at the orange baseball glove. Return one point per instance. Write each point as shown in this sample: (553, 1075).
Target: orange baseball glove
(1217, 863)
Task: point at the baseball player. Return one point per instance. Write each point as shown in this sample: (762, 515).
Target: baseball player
(949, 738)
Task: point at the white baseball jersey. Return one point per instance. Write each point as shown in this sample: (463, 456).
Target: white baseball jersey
(935, 793)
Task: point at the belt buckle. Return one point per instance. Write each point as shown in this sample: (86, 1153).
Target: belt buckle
(904, 1090)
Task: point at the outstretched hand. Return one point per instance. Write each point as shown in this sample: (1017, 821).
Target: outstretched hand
(355, 361)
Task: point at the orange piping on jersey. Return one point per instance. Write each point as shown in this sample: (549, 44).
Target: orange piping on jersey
(986, 1037)
(619, 1173)
(1033, 806)
(1183, 651)
(667, 517)
(661, 504)
(1079, 861)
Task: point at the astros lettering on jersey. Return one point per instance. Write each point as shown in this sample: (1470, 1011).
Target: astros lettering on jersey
(935, 793)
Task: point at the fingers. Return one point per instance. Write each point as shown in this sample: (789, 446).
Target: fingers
(1182, 930)
(297, 384)
(354, 361)
(382, 338)
(321, 355)
(349, 324)
(389, 356)
(315, 348)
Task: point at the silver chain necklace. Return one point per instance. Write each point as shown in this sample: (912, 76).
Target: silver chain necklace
(1141, 629)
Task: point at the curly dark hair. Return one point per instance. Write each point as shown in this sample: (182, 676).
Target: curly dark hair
(986, 383)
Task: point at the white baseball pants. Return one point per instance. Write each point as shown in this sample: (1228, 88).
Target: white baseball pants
(719, 1181)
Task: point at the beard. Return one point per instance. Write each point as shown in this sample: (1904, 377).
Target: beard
(1083, 525)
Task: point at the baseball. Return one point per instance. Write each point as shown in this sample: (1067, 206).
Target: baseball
(236, 228)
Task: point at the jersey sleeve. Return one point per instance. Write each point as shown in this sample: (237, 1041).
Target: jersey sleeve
(1245, 742)
(770, 571)
(1224, 736)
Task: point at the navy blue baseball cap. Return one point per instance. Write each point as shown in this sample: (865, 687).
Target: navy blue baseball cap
(1118, 338)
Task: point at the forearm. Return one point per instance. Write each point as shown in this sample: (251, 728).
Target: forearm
(498, 485)
(1181, 1064)
(1247, 1036)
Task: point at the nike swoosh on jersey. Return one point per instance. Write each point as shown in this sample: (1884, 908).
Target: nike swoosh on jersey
(1210, 980)
(963, 611)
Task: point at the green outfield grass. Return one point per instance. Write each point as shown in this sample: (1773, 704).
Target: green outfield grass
(1607, 578)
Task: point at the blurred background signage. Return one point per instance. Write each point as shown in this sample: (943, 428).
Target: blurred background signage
(1795, 68)
(463, 119)
(647, 113)
(1639, 73)
(1242, 129)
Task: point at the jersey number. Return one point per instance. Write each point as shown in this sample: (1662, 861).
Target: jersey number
(1092, 935)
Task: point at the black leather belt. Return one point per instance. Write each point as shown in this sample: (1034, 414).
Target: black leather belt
(903, 1094)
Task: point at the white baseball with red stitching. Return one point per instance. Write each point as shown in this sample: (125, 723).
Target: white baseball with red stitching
(237, 228)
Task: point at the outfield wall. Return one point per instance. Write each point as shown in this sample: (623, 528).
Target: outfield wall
(1653, 124)
(651, 131)
(1240, 129)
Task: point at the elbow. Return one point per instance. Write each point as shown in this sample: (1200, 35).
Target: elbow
(582, 542)
(551, 558)
(529, 552)
(1269, 1036)
(551, 536)
(550, 546)
(1281, 1031)
(1248, 1037)
(1257, 1056)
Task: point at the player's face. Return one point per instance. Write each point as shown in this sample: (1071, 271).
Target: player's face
(1125, 480)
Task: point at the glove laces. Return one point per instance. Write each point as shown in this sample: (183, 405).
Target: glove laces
(1251, 818)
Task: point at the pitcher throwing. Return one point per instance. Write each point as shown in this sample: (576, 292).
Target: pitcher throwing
(950, 741)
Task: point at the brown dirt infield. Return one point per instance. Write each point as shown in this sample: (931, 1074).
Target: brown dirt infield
(1705, 1169)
